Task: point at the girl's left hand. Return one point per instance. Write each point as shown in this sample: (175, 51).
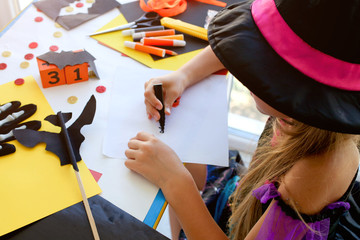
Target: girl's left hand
(155, 160)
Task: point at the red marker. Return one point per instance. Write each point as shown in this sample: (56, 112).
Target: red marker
(163, 42)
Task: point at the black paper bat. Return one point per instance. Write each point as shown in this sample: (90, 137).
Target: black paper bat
(55, 141)
(69, 58)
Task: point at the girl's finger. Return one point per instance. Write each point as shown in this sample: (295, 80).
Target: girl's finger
(152, 111)
(130, 154)
(150, 97)
(133, 144)
(143, 136)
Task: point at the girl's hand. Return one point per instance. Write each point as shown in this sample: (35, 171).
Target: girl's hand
(154, 160)
(174, 85)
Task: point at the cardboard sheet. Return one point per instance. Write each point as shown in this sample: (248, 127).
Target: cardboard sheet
(197, 129)
(33, 185)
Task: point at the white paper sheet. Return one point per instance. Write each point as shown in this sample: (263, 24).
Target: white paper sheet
(197, 129)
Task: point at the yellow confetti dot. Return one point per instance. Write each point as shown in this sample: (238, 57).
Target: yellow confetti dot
(58, 25)
(92, 74)
(89, 1)
(6, 53)
(69, 9)
(72, 99)
(24, 64)
(57, 34)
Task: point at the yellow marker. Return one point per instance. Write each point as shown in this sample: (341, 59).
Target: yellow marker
(185, 27)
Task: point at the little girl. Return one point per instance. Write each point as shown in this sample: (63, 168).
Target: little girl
(300, 59)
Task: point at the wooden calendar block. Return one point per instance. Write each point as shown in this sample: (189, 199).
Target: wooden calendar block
(50, 74)
(76, 73)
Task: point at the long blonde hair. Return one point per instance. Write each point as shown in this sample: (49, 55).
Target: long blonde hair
(271, 161)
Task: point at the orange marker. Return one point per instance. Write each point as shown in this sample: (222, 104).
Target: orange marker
(147, 49)
(139, 35)
(163, 42)
(176, 36)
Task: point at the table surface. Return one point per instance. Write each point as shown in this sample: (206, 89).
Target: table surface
(122, 187)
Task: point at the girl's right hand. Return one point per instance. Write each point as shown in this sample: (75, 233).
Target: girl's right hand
(173, 84)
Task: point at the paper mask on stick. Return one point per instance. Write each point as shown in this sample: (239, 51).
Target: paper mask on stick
(54, 141)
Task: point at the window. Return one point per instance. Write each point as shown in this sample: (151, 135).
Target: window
(245, 121)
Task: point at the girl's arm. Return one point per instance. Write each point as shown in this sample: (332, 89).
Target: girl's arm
(157, 162)
(174, 84)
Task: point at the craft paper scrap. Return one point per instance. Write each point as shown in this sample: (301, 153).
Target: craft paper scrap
(197, 129)
(52, 8)
(33, 185)
(96, 175)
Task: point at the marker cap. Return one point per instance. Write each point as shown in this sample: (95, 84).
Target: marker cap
(129, 44)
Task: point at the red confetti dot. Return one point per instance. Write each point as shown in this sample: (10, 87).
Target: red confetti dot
(101, 89)
(54, 48)
(38, 10)
(79, 5)
(33, 45)
(29, 56)
(3, 66)
(38, 19)
(19, 81)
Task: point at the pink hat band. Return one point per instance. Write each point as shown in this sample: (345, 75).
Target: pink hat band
(313, 63)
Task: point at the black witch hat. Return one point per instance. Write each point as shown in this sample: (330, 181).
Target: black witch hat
(302, 57)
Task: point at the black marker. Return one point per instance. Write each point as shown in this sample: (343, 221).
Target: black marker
(159, 95)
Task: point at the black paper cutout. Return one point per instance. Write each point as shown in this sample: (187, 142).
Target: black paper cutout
(52, 9)
(54, 141)
(15, 123)
(69, 58)
(53, 119)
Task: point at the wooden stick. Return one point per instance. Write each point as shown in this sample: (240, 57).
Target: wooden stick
(87, 207)
(78, 177)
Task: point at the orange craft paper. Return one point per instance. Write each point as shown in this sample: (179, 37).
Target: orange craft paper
(33, 185)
